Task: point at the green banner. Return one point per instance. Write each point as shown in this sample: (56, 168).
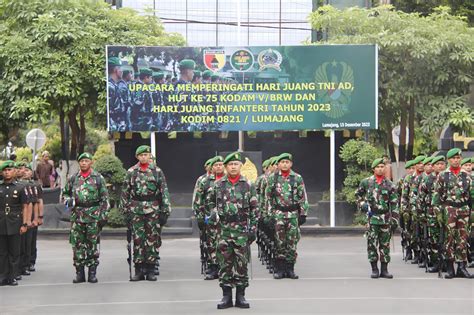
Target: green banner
(242, 88)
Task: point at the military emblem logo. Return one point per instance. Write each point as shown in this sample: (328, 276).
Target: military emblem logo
(214, 60)
(270, 58)
(242, 60)
(336, 80)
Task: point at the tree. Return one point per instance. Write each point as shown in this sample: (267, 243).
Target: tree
(52, 53)
(425, 64)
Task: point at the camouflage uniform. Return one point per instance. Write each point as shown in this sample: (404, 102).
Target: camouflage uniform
(90, 212)
(424, 202)
(286, 202)
(380, 201)
(141, 109)
(234, 208)
(406, 212)
(202, 211)
(452, 199)
(145, 202)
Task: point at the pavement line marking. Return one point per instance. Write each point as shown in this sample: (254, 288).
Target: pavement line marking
(254, 279)
(261, 300)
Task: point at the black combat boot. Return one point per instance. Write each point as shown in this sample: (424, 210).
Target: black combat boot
(435, 267)
(416, 258)
(32, 268)
(384, 271)
(91, 277)
(462, 271)
(226, 301)
(12, 282)
(290, 271)
(409, 255)
(139, 276)
(375, 270)
(449, 270)
(212, 272)
(279, 269)
(157, 268)
(150, 272)
(240, 298)
(80, 275)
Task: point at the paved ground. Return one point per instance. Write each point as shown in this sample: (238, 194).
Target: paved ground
(333, 280)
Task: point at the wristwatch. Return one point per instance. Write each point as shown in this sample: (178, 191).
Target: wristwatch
(40, 217)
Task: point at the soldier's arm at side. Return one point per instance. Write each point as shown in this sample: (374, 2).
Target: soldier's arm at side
(125, 195)
(437, 199)
(394, 204)
(198, 202)
(302, 198)
(268, 195)
(165, 208)
(104, 200)
(253, 206)
(24, 210)
(361, 195)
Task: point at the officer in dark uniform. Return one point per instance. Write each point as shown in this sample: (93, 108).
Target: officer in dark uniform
(13, 223)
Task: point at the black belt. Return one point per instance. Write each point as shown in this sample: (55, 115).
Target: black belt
(88, 204)
(233, 218)
(457, 204)
(145, 198)
(288, 209)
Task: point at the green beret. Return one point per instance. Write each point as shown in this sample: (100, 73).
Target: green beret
(216, 159)
(168, 76)
(207, 74)
(29, 166)
(85, 155)
(7, 164)
(146, 71)
(377, 162)
(465, 160)
(197, 74)
(427, 160)
(265, 163)
(419, 159)
(158, 75)
(436, 159)
(187, 64)
(143, 149)
(284, 156)
(126, 72)
(208, 162)
(114, 61)
(408, 164)
(274, 160)
(472, 160)
(453, 152)
(20, 164)
(214, 77)
(235, 156)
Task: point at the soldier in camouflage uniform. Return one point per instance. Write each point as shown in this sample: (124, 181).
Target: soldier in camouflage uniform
(202, 210)
(423, 212)
(145, 203)
(116, 88)
(142, 102)
(425, 196)
(287, 206)
(452, 202)
(86, 193)
(376, 195)
(186, 74)
(405, 242)
(14, 222)
(409, 208)
(233, 205)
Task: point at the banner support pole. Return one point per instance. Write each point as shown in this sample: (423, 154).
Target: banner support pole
(332, 185)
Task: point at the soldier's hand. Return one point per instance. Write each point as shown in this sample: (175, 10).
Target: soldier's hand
(301, 220)
(252, 237)
(35, 223)
(201, 224)
(102, 223)
(23, 229)
(163, 219)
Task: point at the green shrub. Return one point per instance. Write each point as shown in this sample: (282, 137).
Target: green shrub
(116, 218)
(24, 152)
(112, 169)
(102, 150)
(360, 218)
(357, 156)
